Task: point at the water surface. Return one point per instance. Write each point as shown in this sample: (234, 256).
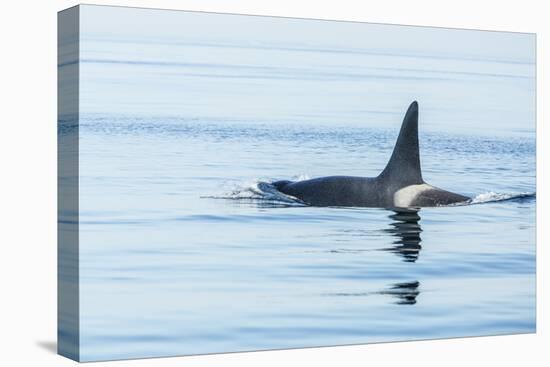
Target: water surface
(185, 249)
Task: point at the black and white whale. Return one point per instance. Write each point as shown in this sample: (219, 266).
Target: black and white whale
(400, 185)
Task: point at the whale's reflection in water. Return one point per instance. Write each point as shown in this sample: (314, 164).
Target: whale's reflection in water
(406, 228)
(404, 234)
(405, 231)
(405, 293)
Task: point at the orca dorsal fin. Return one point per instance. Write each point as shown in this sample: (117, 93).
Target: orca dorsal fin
(404, 165)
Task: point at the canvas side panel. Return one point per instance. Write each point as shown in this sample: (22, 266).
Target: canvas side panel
(67, 183)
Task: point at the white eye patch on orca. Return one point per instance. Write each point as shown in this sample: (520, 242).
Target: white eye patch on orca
(406, 196)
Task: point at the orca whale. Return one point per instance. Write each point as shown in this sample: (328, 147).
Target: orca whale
(400, 185)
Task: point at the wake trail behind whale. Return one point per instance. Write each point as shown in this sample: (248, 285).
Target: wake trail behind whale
(493, 197)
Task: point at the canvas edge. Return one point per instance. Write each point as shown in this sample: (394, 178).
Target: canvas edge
(68, 305)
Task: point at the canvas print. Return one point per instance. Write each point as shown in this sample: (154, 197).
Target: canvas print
(237, 183)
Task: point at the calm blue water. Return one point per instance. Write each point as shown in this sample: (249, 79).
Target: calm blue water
(185, 249)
